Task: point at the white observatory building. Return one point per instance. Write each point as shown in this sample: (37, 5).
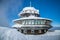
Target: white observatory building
(30, 22)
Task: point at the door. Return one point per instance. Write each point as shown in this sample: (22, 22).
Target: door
(21, 31)
(28, 31)
(36, 31)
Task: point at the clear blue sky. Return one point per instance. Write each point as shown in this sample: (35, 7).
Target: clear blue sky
(9, 10)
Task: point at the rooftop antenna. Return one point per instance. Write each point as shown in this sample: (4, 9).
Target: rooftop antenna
(30, 3)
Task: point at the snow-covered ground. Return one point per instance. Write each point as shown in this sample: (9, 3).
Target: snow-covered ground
(13, 34)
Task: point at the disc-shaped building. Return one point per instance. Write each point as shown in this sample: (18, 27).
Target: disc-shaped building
(30, 22)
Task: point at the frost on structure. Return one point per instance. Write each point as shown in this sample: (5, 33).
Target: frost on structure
(28, 25)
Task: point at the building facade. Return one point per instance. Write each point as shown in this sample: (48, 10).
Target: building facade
(30, 22)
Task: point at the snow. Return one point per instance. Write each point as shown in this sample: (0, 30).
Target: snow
(31, 17)
(12, 34)
(27, 8)
(33, 26)
(17, 25)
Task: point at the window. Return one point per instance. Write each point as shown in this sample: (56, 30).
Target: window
(36, 15)
(39, 22)
(42, 22)
(32, 31)
(42, 30)
(29, 22)
(47, 22)
(28, 31)
(36, 31)
(23, 22)
(32, 22)
(26, 22)
(28, 11)
(35, 22)
(21, 31)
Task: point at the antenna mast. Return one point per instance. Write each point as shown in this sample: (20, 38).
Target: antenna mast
(30, 3)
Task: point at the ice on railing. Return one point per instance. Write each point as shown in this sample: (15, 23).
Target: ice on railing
(13, 34)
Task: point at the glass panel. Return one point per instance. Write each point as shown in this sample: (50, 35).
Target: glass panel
(21, 31)
(42, 22)
(35, 22)
(29, 22)
(28, 31)
(47, 22)
(36, 15)
(36, 31)
(23, 22)
(26, 22)
(39, 22)
(32, 22)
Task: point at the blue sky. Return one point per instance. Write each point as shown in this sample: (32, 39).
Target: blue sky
(9, 10)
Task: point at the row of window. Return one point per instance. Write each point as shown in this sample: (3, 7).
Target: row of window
(33, 31)
(27, 15)
(33, 22)
(30, 11)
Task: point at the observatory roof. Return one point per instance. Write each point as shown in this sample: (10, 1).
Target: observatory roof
(29, 10)
(32, 18)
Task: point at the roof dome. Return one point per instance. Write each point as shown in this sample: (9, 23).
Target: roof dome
(29, 10)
